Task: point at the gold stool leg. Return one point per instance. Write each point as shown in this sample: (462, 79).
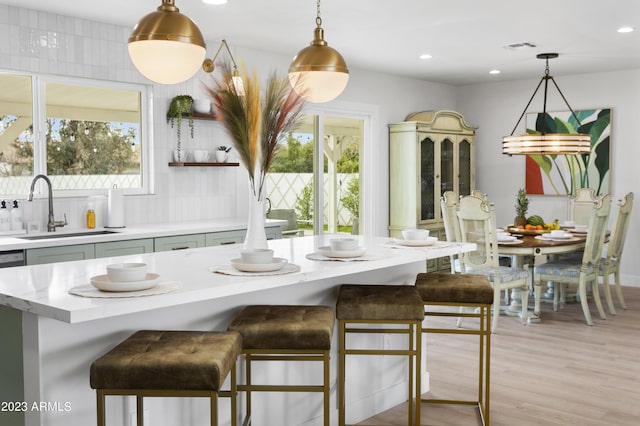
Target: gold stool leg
(139, 410)
(100, 407)
(213, 407)
(234, 396)
(341, 373)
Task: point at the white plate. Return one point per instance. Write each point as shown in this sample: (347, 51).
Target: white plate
(416, 243)
(507, 239)
(575, 231)
(548, 237)
(104, 283)
(276, 264)
(326, 251)
(510, 243)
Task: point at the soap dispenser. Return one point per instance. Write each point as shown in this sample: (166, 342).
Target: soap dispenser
(91, 216)
(16, 217)
(5, 217)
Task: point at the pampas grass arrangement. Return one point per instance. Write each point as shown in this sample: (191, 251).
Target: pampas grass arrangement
(256, 123)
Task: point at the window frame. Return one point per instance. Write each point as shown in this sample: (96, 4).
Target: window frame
(38, 93)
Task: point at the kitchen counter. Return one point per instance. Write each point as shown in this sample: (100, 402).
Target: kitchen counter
(61, 334)
(15, 242)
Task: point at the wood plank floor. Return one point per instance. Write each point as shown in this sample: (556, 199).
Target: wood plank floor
(556, 373)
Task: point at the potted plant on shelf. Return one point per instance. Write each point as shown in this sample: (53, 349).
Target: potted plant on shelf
(222, 154)
(180, 106)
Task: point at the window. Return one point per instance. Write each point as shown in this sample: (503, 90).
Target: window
(87, 136)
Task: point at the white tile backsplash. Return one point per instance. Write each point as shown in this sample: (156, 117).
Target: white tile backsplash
(47, 43)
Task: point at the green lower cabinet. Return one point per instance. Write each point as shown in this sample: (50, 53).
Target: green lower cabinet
(273, 232)
(123, 248)
(225, 237)
(38, 256)
(178, 242)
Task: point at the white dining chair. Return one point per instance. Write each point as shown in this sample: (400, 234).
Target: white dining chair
(581, 204)
(580, 272)
(610, 263)
(476, 219)
(449, 207)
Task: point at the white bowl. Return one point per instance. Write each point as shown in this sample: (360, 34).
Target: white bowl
(124, 272)
(256, 256)
(415, 234)
(343, 244)
(557, 233)
(581, 228)
(203, 106)
(501, 236)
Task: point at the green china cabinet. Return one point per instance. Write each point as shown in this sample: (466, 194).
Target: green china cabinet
(431, 152)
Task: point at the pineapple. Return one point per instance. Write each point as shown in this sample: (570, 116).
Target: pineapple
(521, 208)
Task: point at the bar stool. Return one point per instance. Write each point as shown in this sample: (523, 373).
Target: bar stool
(462, 290)
(157, 363)
(285, 333)
(380, 309)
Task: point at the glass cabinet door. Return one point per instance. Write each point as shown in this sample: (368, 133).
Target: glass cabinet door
(427, 179)
(464, 167)
(446, 166)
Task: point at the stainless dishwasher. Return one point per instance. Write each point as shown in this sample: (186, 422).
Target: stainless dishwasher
(11, 258)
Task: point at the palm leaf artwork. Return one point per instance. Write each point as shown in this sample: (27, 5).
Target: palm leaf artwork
(564, 174)
(256, 125)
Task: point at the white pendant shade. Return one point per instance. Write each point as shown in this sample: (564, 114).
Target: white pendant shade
(166, 62)
(548, 144)
(319, 86)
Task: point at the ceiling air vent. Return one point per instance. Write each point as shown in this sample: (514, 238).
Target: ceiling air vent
(520, 46)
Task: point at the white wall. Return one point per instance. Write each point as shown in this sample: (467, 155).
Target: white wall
(496, 108)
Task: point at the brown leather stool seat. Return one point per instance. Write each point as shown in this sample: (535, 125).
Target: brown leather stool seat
(168, 363)
(289, 333)
(377, 307)
(474, 291)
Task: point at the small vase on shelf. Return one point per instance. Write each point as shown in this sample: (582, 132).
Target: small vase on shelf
(179, 155)
(221, 156)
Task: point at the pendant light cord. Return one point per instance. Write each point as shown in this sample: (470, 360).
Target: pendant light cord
(318, 18)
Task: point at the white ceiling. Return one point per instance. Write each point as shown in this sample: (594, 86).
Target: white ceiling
(465, 37)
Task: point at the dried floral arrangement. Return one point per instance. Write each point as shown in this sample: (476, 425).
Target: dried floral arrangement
(256, 123)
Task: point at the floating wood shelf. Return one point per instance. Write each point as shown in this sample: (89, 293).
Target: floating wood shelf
(200, 116)
(193, 164)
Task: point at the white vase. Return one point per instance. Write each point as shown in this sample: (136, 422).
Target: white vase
(256, 236)
(180, 155)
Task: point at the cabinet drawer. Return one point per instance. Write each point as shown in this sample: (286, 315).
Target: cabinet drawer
(123, 248)
(225, 237)
(38, 256)
(179, 242)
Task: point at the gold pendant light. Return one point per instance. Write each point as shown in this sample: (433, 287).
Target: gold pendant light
(166, 46)
(544, 143)
(318, 72)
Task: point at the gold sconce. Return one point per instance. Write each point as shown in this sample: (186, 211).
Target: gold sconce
(208, 65)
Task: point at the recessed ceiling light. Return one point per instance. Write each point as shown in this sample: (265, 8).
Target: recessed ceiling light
(494, 72)
(425, 56)
(214, 1)
(625, 29)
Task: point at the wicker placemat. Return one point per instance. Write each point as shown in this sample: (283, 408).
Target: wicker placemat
(228, 269)
(88, 290)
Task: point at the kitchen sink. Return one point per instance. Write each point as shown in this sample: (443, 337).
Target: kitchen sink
(51, 235)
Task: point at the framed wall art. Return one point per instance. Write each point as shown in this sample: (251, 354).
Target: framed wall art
(564, 174)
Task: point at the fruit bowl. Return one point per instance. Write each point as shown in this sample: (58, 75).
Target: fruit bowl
(514, 230)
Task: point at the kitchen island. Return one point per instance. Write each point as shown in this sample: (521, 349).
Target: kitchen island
(45, 368)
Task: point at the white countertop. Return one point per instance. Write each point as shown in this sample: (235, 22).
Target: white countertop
(14, 242)
(43, 289)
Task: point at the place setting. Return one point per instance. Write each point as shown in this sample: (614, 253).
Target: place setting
(506, 238)
(416, 238)
(557, 235)
(342, 249)
(129, 279)
(256, 262)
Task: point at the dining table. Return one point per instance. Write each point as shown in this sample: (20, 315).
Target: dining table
(528, 248)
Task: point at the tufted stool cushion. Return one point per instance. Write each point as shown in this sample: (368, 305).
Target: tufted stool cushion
(455, 288)
(285, 327)
(379, 302)
(174, 360)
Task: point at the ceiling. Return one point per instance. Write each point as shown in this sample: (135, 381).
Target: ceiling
(466, 38)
